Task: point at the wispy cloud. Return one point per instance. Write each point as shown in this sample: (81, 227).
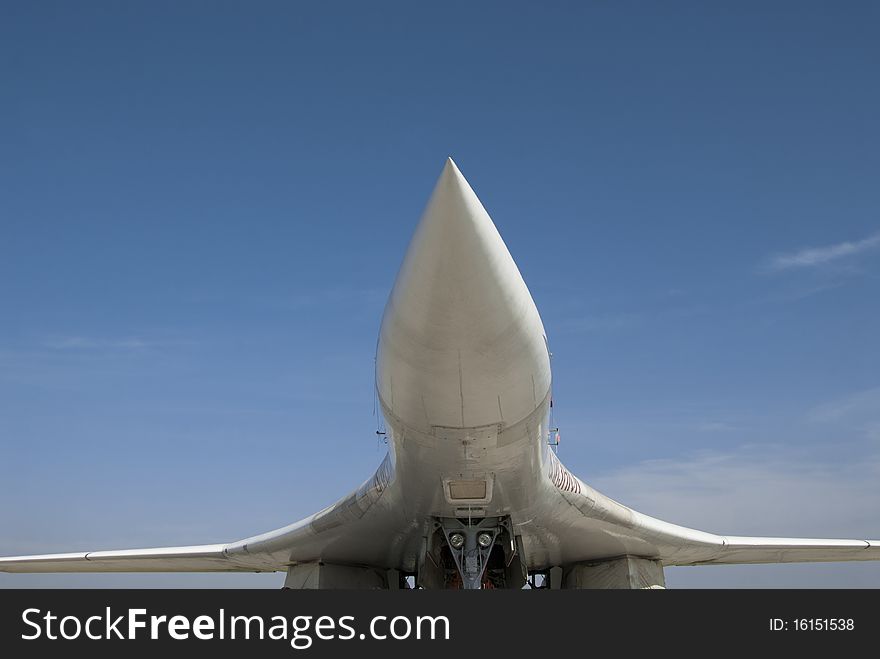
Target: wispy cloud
(816, 256)
(757, 490)
(598, 323)
(92, 343)
(716, 426)
(859, 406)
(332, 297)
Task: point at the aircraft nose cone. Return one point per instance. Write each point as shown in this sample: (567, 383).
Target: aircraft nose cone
(461, 343)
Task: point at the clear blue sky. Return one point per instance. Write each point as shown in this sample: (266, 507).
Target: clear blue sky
(203, 206)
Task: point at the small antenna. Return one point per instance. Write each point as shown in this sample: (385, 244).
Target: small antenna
(381, 433)
(552, 429)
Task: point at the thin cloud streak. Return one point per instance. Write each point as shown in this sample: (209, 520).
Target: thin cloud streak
(751, 490)
(716, 426)
(598, 323)
(857, 404)
(764, 491)
(86, 343)
(815, 256)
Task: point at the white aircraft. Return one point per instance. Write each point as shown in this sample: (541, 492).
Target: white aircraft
(471, 494)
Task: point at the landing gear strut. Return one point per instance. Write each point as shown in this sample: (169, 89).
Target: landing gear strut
(470, 546)
(472, 553)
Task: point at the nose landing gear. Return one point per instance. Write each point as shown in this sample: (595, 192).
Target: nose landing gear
(475, 553)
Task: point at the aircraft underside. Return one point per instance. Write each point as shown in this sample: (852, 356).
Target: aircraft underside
(470, 495)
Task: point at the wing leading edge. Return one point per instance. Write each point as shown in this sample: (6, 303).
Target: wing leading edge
(360, 528)
(354, 530)
(744, 550)
(640, 535)
(679, 545)
(198, 558)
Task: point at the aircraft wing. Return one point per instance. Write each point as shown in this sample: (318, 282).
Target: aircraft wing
(199, 558)
(371, 527)
(679, 545)
(366, 527)
(608, 528)
(740, 549)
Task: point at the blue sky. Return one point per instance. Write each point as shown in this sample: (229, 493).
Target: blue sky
(203, 206)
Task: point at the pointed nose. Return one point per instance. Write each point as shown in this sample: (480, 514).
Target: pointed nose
(461, 343)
